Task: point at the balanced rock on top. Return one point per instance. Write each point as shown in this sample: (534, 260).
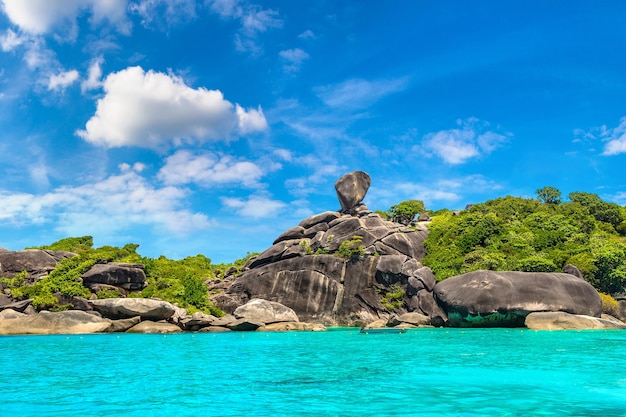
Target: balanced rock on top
(351, 189)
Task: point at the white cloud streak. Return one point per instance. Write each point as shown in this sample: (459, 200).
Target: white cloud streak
(615, 139)
(62, 80)
(293, 59)
(255, 207)
(185, 167)
(359, 93)
(114, 204)
(94, 75)
(457, 146)
(252, 19)
(151, 109)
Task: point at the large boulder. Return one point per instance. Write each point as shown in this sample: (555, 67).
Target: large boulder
(146, 308)
(559, 320)
(264, 311)
(504, 299)
(130, 277)
(37, 263)
(63, 322)
(351, 189)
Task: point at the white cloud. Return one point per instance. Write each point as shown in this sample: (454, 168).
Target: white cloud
(255, 207)
(163, 12)
(62, 80)
(359, 93)
(615, 138)
(457, 146)
(293, 59)
(252, 19)
(208, 169)
(93, 80)
(150, 109)
(114, 204)
(42, 16)
(307, 34)
(11, 40)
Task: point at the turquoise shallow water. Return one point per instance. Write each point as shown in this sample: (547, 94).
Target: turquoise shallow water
(430, 372)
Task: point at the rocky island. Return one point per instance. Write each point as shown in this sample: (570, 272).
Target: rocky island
(350, 267)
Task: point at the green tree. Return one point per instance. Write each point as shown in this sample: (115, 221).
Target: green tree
(405, 211)
(549, 195)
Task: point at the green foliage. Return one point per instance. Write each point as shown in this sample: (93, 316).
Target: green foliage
(609, 305)
(352, 248)
(393, 298)
(16, 281)
(108, 293)
(512, 233)
(71, 244)
(181, 281)
(406, 211)
(549, 195)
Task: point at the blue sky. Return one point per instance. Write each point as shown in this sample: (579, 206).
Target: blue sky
(212, 126)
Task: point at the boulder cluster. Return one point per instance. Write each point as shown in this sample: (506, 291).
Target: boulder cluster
(349, 267)
(141, 315)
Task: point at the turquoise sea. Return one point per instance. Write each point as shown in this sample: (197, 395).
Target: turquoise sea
(429, 372)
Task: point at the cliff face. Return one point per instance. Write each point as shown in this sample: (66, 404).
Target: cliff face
(344, 267)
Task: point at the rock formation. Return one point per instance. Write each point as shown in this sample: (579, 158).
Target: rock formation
(63, 322)
(130, 277)
(504, 299)
(351, 189)
(558, 320)
(123, 308)
(37, 263)
(347, 267)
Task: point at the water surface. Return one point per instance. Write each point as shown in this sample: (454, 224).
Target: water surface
(430, 372)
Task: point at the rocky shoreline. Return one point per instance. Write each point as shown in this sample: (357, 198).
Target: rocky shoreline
(348, 267)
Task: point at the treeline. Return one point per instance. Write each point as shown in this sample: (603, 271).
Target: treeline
(177, 281)
(540, 234)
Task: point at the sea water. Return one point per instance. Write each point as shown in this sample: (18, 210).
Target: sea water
(429, 372)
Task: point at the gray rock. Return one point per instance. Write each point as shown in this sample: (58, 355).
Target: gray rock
(292, 326)
(122, 325)
(20, 306)
(351, 189)
(63, 322)
(559, 320)
(571, 269)
(128, 276)
(38, 263)
(244, 325)
(504, 299)
(224, 321)
(263, 311)
(416, 319)
(147, 309)
(154, 327)
(10, 314)
(197, 321)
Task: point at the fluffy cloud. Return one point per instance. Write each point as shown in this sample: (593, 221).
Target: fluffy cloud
(358, 93)
(149, 109)
(457, 146)
(117, 203)
(62, 80)
(255, 207)
(615, 138)
(293, 59)
(208, 169)
(42, 16)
